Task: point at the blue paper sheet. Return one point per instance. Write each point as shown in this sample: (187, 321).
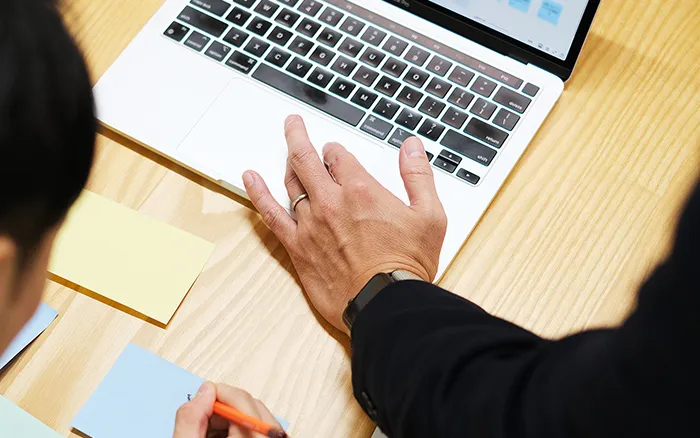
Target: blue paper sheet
(139, 397)
(42, 318)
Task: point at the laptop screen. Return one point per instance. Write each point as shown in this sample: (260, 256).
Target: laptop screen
(547, 25)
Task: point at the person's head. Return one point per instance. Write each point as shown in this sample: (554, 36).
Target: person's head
(47, 135)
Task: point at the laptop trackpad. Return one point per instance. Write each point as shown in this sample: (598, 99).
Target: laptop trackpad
(244, 129)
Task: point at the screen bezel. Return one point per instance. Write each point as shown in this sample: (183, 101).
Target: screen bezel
(500, 42)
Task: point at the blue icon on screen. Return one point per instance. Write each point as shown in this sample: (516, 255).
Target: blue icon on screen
(521, 5)
(550, 12)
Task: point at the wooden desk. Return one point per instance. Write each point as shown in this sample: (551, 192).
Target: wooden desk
(583, 219)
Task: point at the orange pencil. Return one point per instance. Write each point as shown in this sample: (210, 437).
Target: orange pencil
(235, 416)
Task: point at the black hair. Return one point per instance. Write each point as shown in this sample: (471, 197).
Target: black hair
(47, 121)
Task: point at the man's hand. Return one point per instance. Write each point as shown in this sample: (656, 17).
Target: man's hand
(195, 419)
(350, 227)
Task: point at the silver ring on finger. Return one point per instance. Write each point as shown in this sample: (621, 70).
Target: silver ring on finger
(298, 200)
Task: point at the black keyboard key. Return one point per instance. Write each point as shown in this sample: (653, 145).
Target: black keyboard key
(483, 108)
(486, 132)
(373, 36)
(512, 100)
(409, 96)
(439, 66)
(416, 77)
(431, 129)
(454, 117)
(351, 47)
(218, 51)
(372, 57)
(290, 3)
(395, 46)
(398, 137)
(376, 127)
(287, 18)
(386, 108)
(365, 76)
(352, 26)
(394, 67)
(308, 27)
(218, 7)
(320, 77)
(417, 56)
(483, 86)
(196, 41)
(461, 98)
(202, 21)
(429, 155)
(468, 176)
(330, 16)
(468, 147)
(344, 66)
(342, 88)
(310, 7)
(235, 37)
(438, 87)
(259, 26)
(446, 165)
(301, 46)
(299, 67)
(408, 119)
(322, 55)
(176, 31)
(314, 97)
(279, 36)
(506, 119)
(364, 98)
(277, 57)
(266, 8)
(531, 90)
(387, 86)
(329, 37)
(432, 107)
(246, 3)
(449, 156)
(238, 16)
(461, 76)
(241, 62)
(256, 47)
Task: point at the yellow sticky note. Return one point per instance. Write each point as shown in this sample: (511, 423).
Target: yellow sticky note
(127, 257)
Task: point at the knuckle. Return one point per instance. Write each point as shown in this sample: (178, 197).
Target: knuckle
(419, 171)
(272, 219)
(301, 155)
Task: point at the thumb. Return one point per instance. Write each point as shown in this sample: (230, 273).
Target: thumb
(192, 419)
(417, 174)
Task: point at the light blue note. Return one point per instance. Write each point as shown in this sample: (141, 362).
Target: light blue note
(42, 318)
(16, 423)
(521, 5)
(139, 397)
(550, 11)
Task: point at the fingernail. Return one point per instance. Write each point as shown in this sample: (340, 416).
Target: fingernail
(203, 389)
(414, 148)
(248, 179)
(290, 119)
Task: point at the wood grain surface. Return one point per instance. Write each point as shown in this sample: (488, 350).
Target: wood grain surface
(583, 219)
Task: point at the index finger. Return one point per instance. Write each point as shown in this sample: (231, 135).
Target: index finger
(303, 157)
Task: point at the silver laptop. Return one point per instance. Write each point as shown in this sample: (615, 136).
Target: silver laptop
(208, 84)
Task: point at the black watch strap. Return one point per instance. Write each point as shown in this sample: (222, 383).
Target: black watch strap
(371, 289)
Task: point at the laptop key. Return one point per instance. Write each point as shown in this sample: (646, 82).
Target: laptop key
(329, 37)
(308, 27)
(238, 16)
(439, 66)
(446, 165)
(486, 132)
(235, 37)
(364, 98)
(372, 57)
(351, 47)
(299, 67)
(417, 56)
(416, 77)
(483, 108)
(290, 3)
(344, 66)
(278, 57)
(432, 107)
(387, 86)
(454, 117)
(287, 17)
(246, 3)
(352, 26)
(386, 108)
(449, 156)
(483, 86)
(256, 47)
(280, 36)
(259, 26)
(395, 46)
(468, 176)
(321, 77)
(197, 41)
(373, 36)
(438, 87)
(365, 76)
(506, 119)
(266, 8)
(512, 100)
(342, 88)
(408, 119)
(468, 147)
(409, 96)
(202, 21)
(394, 67)
(330, 16)
(176, 31)
(531, 90)
(218, 51)
(461, 98)
(431, 129)
(322, 56)
(241, 62)
(429, 155)
(310, 95)
(310, 7)
(376, 127)
(461, 76)
(399, 136)
(217, 7)
(301, 46)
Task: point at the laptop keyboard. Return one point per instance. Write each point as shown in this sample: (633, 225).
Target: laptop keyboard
(384, 83)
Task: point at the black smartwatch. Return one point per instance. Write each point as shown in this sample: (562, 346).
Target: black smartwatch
(371, 289)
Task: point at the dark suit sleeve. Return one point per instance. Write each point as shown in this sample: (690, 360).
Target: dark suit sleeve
(427, 363)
